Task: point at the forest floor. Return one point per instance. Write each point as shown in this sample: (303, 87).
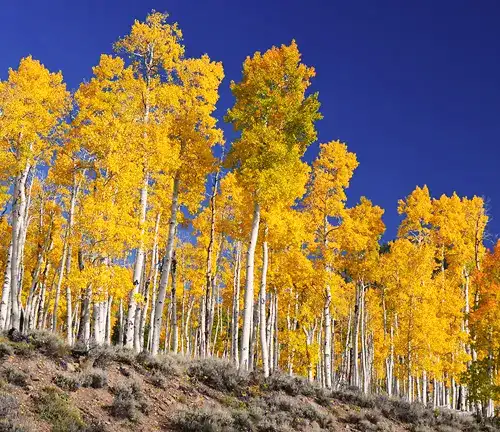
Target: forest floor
(46, 386)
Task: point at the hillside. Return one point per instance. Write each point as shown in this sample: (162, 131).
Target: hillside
(45, 386)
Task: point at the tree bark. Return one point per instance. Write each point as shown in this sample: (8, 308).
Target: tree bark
(120, 324)
(19, 210)
(63, 267)
(165, 271)
(5, 301)
(71, 222)
(249, 300)
(328, 338)
(236, 306)
(84, 332)
(354, 374)
(41, 302)
(204, 316)
(276, 334)
(150, 288)
(109, 330)
(138, 268)
(187, 325)
(175, 330)
(262, 301)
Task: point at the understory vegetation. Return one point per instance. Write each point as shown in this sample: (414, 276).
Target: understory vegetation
(210, 394)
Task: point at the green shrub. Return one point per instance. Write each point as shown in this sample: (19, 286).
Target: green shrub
(139, 397)
(95, 379)
(16, 377)
(102, 355)
(9, 413)
(292, 386)
(23, 349)
(54, 407)
(95, 426)
(203, 419)
(157, 379)
(124, 356)
(219, 375)
(66, 382)
(124, 404)
(352, 396)
(8, 404)
(48, 344)
(11, 425)
(128, 402)
(5, 350)
(283, 409)
(166, 364)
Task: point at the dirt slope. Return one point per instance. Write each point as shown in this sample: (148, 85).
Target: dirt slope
(46, 387)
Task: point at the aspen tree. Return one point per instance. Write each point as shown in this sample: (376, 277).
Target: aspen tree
(358, 236)
(275, 119)
(482, 374)
(33, 102)
(194, 133)
(332, 172)
(153, 48)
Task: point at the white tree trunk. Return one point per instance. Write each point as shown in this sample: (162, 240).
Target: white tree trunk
(84, 333)
(365, 354)
(5, 301)
(424, 388)
(19, 208)
(100, 322)
(43, 249)
(120, 324)
(76, 321)
(270, 333)
(248, 308)
(390, 365)
(276, 355)
(138, 312)
(138, 269)
(109, 330)
(71, 221)
(186, 326)
(165, 271)
(27, 322)
(175, 329)
(62, 267)
(153, 303)
(41, 302)
(236, 306)
(144, 312)
(354, 375)
(327, 351)
(254, 336)
(263, 298)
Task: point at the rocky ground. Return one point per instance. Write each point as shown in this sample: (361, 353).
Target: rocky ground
(46, 386)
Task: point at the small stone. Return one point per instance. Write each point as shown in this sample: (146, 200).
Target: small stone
(124, 371)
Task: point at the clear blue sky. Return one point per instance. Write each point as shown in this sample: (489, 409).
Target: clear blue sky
(411, 86)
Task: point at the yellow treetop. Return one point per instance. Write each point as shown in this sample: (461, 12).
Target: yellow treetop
(32, 102)
(276, 120)
(418, 210)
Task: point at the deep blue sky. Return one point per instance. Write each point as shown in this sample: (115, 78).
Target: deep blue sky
(411, 86)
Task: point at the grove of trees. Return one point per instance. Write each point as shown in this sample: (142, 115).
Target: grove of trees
(126, 219)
